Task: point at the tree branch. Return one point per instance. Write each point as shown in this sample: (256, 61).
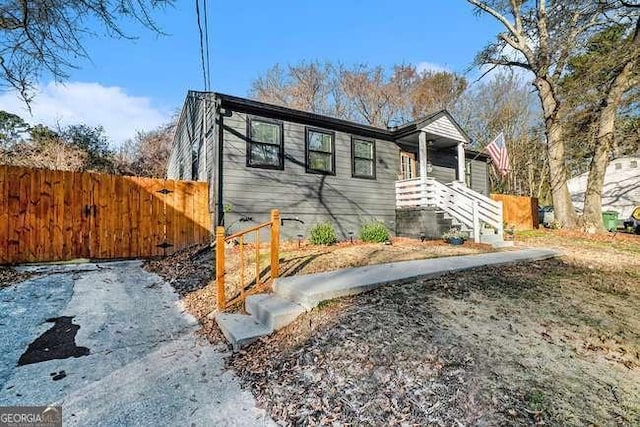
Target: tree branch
(491, 11)
(543, 33)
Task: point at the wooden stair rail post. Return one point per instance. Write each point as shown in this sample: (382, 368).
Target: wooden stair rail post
(476, 222)
(275, 243)
(220, 267)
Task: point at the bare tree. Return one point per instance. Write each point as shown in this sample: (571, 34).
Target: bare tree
(540, 36)
(369, 93)
(437, 90)
(46, 36)
(51, 153)
(505, 103)
(360, 93)
(146, 154)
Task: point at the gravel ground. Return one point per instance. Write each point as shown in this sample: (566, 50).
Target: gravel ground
(554, 342)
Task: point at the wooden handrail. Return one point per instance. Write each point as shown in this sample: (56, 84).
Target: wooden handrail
(248, 230)
(274, 256)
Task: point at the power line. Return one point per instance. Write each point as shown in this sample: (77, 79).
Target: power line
(202, 49)
(206, 43)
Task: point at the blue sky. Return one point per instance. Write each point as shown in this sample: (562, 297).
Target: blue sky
(131, 85)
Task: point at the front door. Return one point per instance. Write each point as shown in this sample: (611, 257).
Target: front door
(408, 169)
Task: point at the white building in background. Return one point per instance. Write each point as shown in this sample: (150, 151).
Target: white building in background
(621, 192)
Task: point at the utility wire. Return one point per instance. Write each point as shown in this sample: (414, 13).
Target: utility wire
(206, 43)
(202, 51)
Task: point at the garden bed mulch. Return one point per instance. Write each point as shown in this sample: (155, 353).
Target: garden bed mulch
(9, 276)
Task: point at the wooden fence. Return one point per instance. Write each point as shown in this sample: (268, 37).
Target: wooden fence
(48, 215)
(518, 211)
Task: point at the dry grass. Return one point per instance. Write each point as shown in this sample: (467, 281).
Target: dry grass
(554, 342)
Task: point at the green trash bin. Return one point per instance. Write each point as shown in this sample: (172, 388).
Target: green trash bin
(610, 220)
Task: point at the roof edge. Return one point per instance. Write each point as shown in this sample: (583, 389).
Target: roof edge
(285, 113)
(252, 106)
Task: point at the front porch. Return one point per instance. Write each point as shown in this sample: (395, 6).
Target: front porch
(427, 154)
(433, 190)
(427, 199)
(472, 210)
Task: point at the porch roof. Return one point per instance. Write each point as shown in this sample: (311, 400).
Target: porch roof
(441, 128)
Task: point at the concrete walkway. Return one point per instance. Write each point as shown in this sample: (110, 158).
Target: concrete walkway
(311, 289)
(296, 294)
(132, 356)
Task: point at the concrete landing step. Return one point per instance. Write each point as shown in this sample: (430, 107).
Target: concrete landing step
(503, 244)
(495, 241)
(241, 329)
(272, 310)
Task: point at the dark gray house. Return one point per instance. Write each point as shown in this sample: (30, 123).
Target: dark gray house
(415, 178)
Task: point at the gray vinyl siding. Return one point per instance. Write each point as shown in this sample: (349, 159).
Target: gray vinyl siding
(194, 131)
(444, 127)
(479, 176)
(192, 141)
(250, 193)
(443, 164)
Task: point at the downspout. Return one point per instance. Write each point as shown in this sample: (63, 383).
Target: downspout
(205, 146)
(220, 122)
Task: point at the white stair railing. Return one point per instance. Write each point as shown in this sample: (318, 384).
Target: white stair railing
(488, 211)
(467, 206)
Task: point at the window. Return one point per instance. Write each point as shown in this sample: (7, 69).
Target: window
(320, 151)
(618, 165)
(195, 159)
(265, 144)
(363, 158)
(633, 164)
(407, 165)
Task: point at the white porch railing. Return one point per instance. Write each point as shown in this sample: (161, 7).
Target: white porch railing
(467, 206)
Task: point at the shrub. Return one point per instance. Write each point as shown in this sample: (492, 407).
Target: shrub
(323, 234)
(374, 231)
(454, 233)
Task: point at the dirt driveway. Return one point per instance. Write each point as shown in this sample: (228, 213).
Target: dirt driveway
(112, 344)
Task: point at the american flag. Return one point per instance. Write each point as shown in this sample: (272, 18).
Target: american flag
(498, 151)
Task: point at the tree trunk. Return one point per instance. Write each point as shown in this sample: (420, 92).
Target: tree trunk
(565, 213)
(604, 142)
(592, 215)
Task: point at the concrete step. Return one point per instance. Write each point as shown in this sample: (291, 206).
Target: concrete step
(489, 238)
(241, 329)
(495, 240)
(272, 310)
(503, 244)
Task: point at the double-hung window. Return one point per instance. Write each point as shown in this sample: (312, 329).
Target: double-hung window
(265, 144)
(363, 158)
(320, 151)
